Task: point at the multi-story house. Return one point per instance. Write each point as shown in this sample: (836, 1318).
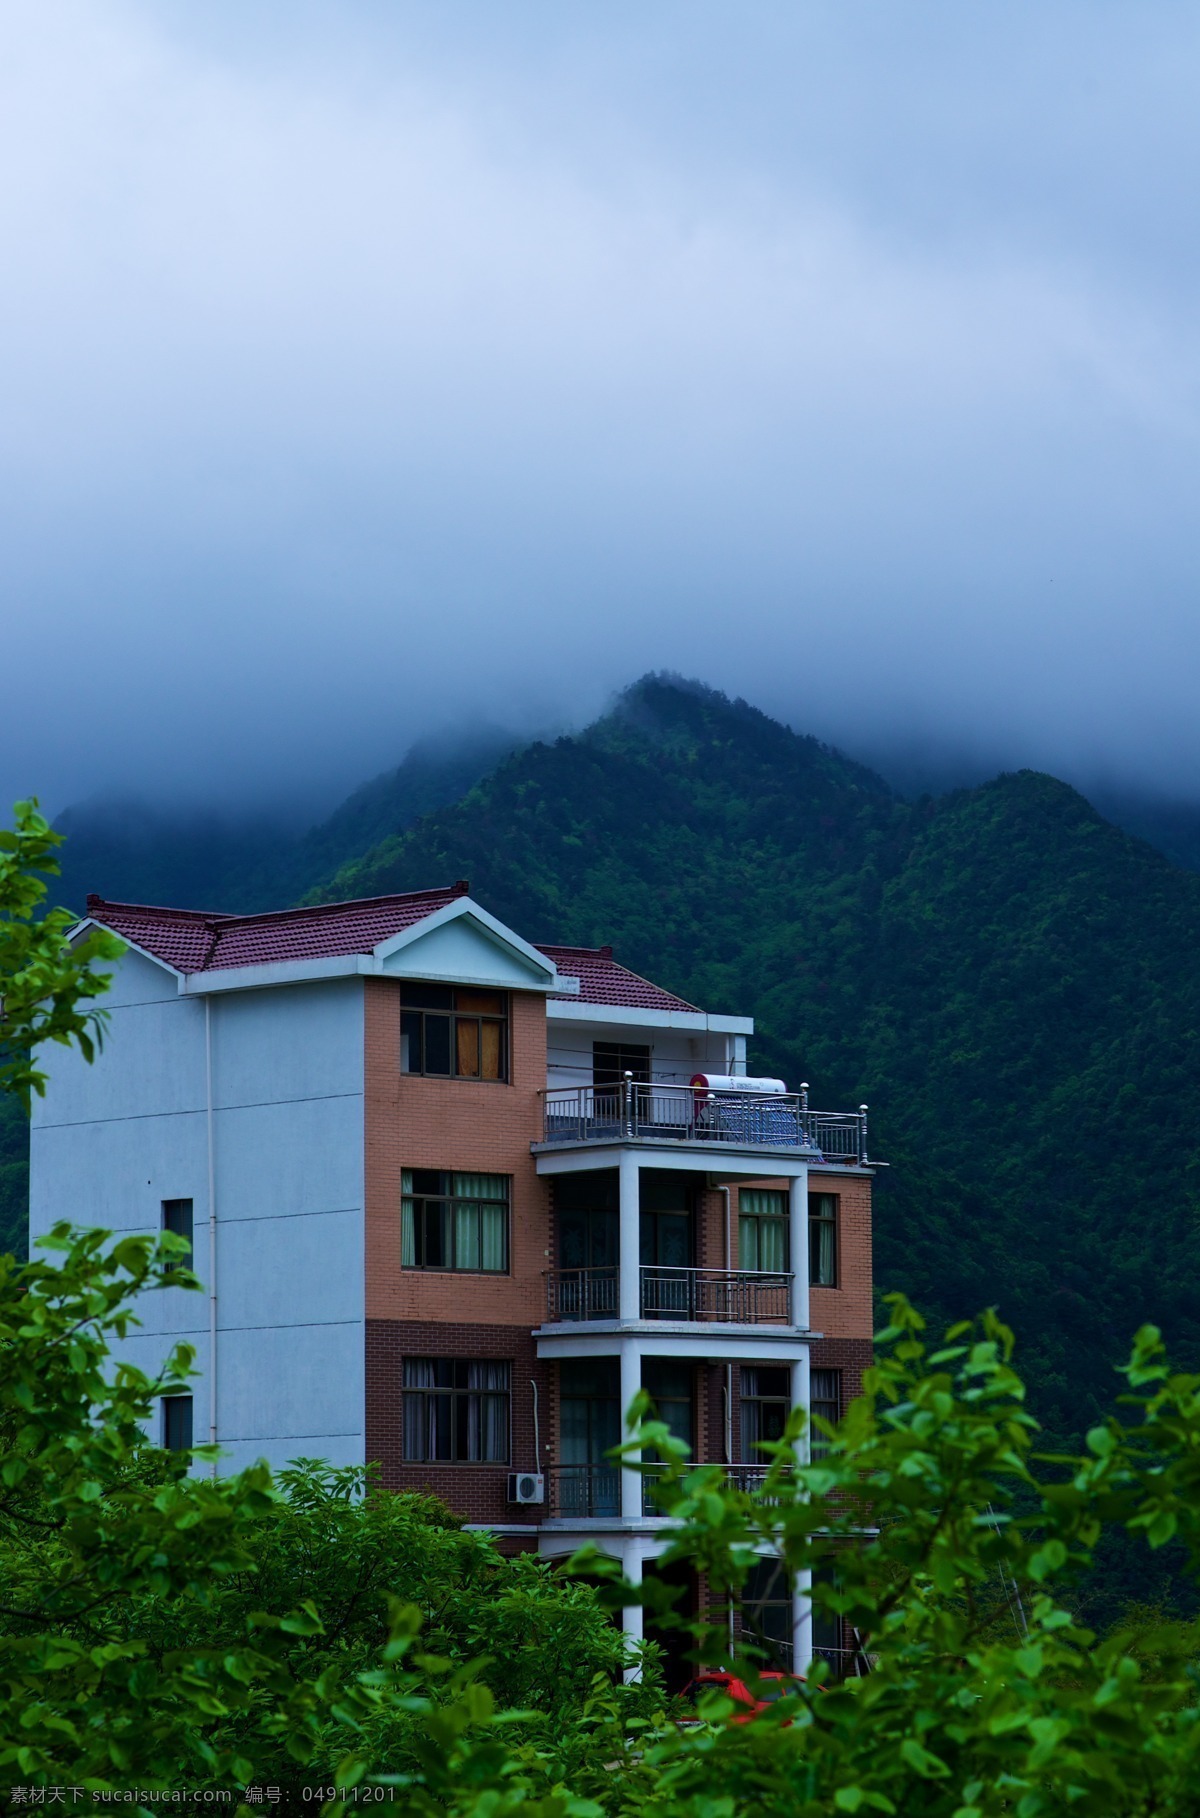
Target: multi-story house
(455, 1197)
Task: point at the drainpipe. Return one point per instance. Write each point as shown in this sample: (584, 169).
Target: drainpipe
(728, 1367)
(212, 1233)
(537, 1437)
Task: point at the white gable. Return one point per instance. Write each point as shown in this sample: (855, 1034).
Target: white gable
(464, 945)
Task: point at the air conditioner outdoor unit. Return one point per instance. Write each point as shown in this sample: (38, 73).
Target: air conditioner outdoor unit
(526, 1486)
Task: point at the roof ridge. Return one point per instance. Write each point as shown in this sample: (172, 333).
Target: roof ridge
(564, 947)
(460, 888)
(95, 902)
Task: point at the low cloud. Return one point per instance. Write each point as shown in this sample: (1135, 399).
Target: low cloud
(364, 378)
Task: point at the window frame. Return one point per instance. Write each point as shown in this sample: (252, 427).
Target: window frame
(167, 1210)
(818, 1224)
(453, 1016)
(820, 1406)
(457, 1397)
(749, 1448)
(768, 1577)
(449, 1201)
(780, 1219)
(180, 1402)
(665, 1403)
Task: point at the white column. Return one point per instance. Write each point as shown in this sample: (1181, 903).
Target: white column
(631, 1382)
(801, 1386)
(801, 1604)
(798, 1225)
(631, 1615)
(801, 1623)
(629, 1299)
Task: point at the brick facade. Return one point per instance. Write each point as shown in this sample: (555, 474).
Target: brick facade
(470, 1125)
(476, 1491)
(416, 1122)
(847, 1311)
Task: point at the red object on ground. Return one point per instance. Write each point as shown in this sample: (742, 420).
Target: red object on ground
(771, 1687)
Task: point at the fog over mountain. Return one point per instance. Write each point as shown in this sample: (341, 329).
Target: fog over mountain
(373, 370)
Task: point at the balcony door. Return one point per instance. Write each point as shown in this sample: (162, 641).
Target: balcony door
(589, 1424)
(666, 1244)
(585, 1213)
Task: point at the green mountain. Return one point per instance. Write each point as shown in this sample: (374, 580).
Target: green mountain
(1010, 982)
(1007, 979)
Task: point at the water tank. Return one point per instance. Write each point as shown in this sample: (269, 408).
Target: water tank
(730, 1082)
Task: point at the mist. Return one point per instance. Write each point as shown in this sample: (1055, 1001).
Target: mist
(376, 371)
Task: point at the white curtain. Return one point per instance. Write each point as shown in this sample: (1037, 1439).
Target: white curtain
(481, 1221)
(420, 1411)
(763, 1230)
(487, 1412)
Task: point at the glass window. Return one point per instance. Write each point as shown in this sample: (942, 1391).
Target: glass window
(763, 1231)
(822, 1239)
(669, 1385)
(453, 1031)
(825, 1402)
(177, 1423)
(455, 1411)
(589, 1424)
(454, 1221)
(766, 1404)
(767, 1612)
(177, 1218)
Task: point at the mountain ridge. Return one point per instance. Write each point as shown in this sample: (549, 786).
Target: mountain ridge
(1007, 979)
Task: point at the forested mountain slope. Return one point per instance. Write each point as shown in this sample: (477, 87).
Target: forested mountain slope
(1008, 980)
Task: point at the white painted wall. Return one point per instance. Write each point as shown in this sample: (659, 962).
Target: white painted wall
(675, 1054)
(109, 1143)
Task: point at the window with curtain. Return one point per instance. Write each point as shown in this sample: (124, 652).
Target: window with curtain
(453, 1031)
(456, 1410)
(822, 1239)
(763, 1240)
(766, 1404)
(825, 1403)
(454, 1221)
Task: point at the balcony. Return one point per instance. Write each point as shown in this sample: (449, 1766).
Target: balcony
(584, 1492)
(688, 1114)
(592, 1492)
(737, 1297)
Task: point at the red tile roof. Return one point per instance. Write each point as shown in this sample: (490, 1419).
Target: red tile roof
(194, 940)
(603, 981)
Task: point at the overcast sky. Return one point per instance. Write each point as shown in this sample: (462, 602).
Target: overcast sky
(370, 367)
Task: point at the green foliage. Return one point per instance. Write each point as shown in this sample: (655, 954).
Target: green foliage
(932, 1503)
(45, 989)
(165, 1629)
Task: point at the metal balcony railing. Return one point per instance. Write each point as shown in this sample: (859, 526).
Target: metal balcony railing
(584, 1492)
(581, 1294)
(689, 1114)
(735, 1297)
(711, 1296)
